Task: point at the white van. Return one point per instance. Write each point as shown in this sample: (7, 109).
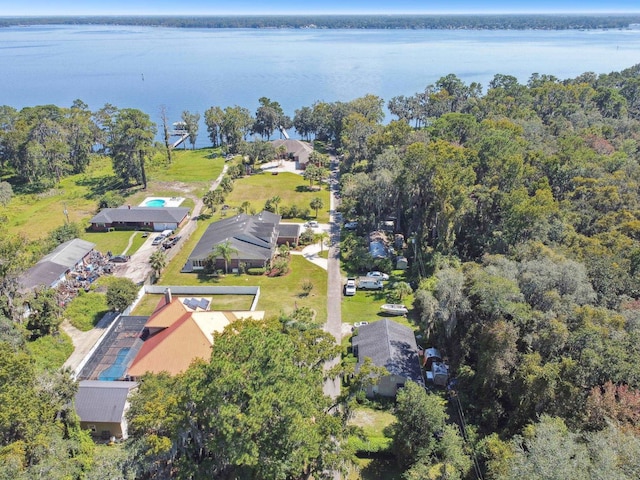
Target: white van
(370, 283)
(166, 233)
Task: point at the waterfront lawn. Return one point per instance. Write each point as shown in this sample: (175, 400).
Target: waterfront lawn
(34, 215)
(290, 187)
(197, 168)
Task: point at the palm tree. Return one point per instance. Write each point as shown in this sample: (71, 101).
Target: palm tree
(316, 203)
(224, 250)
(245, 207)
(157, 261)
(321, 237)
(401, 290)
(276, 200)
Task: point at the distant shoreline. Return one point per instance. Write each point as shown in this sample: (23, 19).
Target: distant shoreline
(391, 22)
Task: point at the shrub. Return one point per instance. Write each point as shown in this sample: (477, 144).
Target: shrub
(285, 212)
(307, 237)
(256, 271)
(121, 293)
(6, 193)
(85, 311)
(110, 200)
(307, 286)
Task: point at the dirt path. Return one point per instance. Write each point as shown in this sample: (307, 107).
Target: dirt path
(133, 235)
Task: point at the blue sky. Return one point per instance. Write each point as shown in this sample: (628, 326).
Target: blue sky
(219, 7)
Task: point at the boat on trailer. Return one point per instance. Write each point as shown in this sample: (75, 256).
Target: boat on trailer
(394, 309)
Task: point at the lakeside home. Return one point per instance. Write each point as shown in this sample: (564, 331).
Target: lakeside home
(139, 218)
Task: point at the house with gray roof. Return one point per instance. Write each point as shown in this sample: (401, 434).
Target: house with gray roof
(140, 218)
(390, 345)
(296, 150)
(101, 407)
(52, 268)
(253, 238)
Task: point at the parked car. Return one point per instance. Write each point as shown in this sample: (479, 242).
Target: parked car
(351, 225)
(170, 242)
(311, 224)
(378, 275)
(350, 287)
(158, 240)
(119, 259)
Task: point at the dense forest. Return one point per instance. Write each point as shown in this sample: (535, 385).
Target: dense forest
(520, 216)
(476, 22)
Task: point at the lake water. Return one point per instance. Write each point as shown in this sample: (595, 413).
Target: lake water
(193, 69)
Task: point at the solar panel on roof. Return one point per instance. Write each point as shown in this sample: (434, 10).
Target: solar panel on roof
(192, 303)
(203, 303)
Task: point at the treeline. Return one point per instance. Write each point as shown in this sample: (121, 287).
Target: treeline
(438, 22)
(521, 217)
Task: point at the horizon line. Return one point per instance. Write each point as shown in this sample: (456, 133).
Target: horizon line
(294, 14)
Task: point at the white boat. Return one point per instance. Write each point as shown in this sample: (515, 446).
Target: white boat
(394, 309)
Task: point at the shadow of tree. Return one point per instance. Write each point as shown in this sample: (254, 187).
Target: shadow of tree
(204, 277)
(384, 466)
(100, 185)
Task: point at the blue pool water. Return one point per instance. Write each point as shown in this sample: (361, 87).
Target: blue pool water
(157, 202)
(116, 370)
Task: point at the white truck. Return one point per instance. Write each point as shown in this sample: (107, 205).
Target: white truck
(370, 283)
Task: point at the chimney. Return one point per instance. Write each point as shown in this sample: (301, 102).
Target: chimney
(167, 296)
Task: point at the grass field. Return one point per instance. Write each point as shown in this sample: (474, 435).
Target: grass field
(290, 187)
(35, 215)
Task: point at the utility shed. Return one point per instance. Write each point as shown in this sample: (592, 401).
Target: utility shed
(393, 346)
(101, 407)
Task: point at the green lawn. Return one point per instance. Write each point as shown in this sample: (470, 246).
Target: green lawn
(115, 242)
(149, 302)
(365, 304)
(278, 294)
(189, 166)
(290, 187)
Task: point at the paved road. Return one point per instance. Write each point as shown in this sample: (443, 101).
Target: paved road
(334, 281)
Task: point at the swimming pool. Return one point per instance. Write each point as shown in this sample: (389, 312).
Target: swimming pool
(117, 368)
(156, 202)
(160, 202)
